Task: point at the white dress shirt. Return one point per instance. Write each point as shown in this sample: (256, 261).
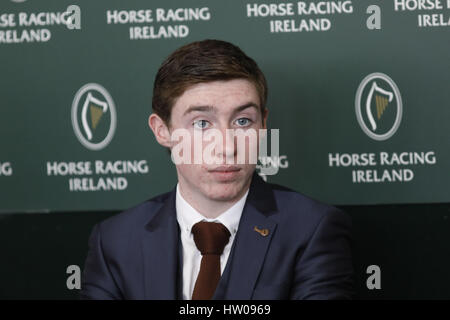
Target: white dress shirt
(187, 216)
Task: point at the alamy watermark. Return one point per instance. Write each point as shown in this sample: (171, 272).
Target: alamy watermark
(239, 146)
(74, 279)
(374, 280)
(74, 19)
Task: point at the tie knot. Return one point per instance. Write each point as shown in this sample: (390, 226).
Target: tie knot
(210, 237)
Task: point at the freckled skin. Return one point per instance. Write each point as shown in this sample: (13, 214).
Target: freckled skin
(210, 193)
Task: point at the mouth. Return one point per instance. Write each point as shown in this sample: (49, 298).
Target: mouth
(224, 173)
(225, 169)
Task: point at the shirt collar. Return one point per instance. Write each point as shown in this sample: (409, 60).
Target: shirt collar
(187, 216)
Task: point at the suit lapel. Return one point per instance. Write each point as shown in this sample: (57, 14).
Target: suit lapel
(160, 244)
(250, 246)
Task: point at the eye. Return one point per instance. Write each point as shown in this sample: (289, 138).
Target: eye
(200, 124)
(242, 122)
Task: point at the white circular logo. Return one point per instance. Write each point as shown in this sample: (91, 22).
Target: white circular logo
(378, 106)
(93, 116)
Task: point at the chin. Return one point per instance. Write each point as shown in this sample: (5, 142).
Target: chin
(222, 197)
(221, 192)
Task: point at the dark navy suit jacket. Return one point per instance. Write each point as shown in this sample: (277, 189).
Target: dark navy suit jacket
(306, 254)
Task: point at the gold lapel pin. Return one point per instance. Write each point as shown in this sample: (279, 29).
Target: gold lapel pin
(263, 232)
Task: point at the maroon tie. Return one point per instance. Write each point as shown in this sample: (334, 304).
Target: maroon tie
(210, 238)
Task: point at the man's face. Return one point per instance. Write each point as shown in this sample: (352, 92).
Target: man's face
(219, 105)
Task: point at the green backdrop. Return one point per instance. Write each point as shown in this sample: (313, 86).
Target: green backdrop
(313, 77)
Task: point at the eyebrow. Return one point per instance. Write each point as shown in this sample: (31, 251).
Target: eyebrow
(199, 109)
(245, 106)
(213, 110)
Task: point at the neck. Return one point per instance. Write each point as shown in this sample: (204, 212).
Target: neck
(209, 208)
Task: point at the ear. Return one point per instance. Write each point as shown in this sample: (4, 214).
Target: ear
(264, 118)
(160, 130)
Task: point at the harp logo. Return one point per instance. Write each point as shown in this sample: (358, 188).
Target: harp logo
(93, 116)
(378, 106)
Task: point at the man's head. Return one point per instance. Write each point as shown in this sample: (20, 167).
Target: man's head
(200, 62)
(206, 85)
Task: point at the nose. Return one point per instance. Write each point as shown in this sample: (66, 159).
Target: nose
(228, 149)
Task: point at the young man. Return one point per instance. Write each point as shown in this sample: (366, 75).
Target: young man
(222, 232)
